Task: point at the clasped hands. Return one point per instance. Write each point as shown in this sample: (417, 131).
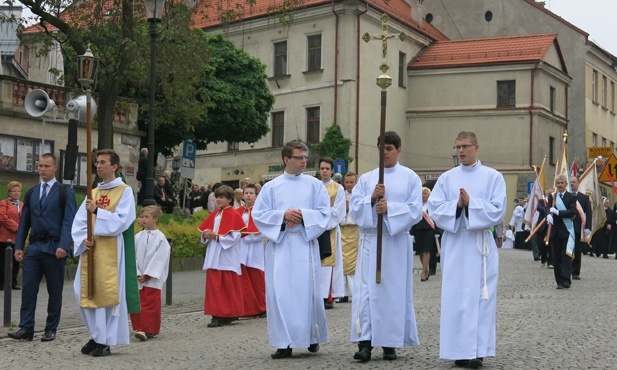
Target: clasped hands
(292, 217)
(463, 198)
(208, 234)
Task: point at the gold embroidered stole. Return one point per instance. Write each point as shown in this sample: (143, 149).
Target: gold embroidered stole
(349, 244)
(106, 289)
(332, 190)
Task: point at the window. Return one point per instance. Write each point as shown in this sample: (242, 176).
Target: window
(314, 53)
(278, 127)
(506, 93)
(312, 125)
(20, 153)
(594, 140)
(594, 86)
(603, 141)
(604, 91)
(612, 96)
(402, 58)
(233, 146)
(280, 58)
(551, 150)
(552, 98)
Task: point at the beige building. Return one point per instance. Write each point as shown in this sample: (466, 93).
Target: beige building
(511, 91)
(321, 73)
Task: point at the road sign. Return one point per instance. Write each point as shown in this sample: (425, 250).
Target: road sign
(609, 173)
(188, 160)
(339, 166)
(188, 150)
(604, 151)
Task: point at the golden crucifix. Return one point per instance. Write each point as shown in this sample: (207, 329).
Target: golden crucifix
(383, 81)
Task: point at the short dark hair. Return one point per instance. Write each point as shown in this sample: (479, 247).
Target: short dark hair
(225, 191)
(251, 186)
(392, 138)
(328, 160)
(288, 148)
(49, 155)
(351, 174)
(114, 158)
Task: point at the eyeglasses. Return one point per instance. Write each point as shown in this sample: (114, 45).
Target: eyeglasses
(299, 157)
(464, 147)
(102, 163)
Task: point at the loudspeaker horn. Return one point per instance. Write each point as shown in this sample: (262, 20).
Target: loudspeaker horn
(38, 103)
(78, 107)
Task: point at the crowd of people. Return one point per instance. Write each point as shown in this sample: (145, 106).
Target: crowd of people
(287, 251)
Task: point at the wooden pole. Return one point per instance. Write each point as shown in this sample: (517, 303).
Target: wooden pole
(382, 132)
(89, 192)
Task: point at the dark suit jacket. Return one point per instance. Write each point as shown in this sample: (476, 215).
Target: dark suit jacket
(559, 227)
(47, 219)
(543, 210)
(585, 203)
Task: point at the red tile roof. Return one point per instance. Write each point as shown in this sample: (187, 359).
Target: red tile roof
(491, 51)
(212, 14)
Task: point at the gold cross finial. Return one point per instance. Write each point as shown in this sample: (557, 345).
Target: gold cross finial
(384, 80)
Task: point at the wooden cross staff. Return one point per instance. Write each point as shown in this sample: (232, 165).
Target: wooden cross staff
(383, 81)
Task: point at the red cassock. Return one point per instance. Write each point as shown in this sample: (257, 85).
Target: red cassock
(253, 279)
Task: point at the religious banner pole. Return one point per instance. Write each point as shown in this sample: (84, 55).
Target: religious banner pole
(383, 81)
(87, 71)
(558, 171)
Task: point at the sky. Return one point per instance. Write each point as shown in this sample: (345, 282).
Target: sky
(596, 17)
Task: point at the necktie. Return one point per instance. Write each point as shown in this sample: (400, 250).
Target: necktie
(44, 195)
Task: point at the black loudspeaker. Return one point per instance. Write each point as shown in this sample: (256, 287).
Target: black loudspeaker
(70, 156)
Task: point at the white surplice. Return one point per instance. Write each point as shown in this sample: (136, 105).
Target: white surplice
(107, 325)
(332, 276)
(223, 253)
(296, 314)
(384, 313)
(469, 259)
(152, 252)
(252, 251)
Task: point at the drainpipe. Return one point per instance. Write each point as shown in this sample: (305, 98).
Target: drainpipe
(531, 104)
(357, 151)
(335, 63)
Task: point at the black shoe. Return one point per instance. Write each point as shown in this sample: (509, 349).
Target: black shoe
(22, 334)
(475, 363)
(101, 350)
(313, 348)
(432, 272)
(216, 322)
(88, 347)
(17, 287)
(50, 334)
(602, 257)
(576, 277)
(461, 363)
(263, 314)
(328, 305)
(559, 286)
(389, 353)
(364, 354)
(343, 299)
(566, 285)
(281, 353)
(536, 259)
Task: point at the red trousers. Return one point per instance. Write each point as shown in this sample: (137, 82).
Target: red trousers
(223, 294)
(254, 291)
(149, 319)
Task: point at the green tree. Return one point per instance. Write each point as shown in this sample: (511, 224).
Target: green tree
(239, 100)
(335, 145)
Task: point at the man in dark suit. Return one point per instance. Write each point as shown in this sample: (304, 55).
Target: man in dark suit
(560, 217)
(546, 255)
(585, 204)
(50, 241)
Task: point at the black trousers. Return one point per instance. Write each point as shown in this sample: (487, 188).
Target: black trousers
(561, 261)
(578, 249)
(546, 255)
(2, 261)
(36, 265)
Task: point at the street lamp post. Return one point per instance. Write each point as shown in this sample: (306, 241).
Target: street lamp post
(455, 159)
(154, 13)
(87, 69)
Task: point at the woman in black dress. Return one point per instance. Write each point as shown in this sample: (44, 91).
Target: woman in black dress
(424, 233)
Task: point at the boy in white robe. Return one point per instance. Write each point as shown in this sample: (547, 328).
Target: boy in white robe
(152, 252)
(383, 314)
(108, 325)
(466, 202)
(332, 267)
(291, 211)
